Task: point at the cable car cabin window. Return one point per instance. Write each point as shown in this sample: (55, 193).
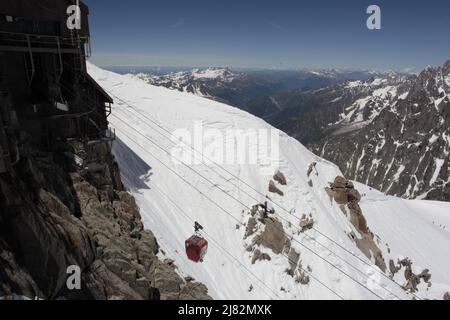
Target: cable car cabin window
(203, 252)
(50, 28)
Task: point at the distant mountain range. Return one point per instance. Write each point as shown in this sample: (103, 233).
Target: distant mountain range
(310, 115)
(238, 88)
(397, 137)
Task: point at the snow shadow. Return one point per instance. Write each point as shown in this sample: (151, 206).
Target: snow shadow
(135, 171)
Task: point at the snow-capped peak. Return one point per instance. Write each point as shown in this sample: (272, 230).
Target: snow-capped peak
(211, 73)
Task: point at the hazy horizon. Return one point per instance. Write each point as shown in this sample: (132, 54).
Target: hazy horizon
(166, 68)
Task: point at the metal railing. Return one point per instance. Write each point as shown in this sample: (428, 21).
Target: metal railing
(44, 39)
(31, 42)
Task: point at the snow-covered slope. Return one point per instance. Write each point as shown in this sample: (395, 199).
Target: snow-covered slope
(171, 196)
(417, 229)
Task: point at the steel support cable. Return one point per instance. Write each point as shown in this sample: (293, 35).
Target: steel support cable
(225, 211)
(284, 219)
(217, 243)
(272, 201)
(246, 206)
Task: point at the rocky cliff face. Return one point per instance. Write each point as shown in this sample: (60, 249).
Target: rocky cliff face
(68, 207)
(404, 150)
(311, 115)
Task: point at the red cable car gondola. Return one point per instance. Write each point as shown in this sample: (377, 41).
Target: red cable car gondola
(196, 246)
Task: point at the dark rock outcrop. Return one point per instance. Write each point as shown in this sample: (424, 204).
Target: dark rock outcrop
(280, 178)
(274, 189)
(412, 280)
(343, 193)
(306, 222)
(260, 256)
(273, 236)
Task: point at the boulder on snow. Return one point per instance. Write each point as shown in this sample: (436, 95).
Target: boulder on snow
(274, 189)
(259, 256)
(343, 191)
(293, 258)
(393, 268)
(250, 227)
(273, 236)
(302, 277)
(367, 246)
(412, 279)
(306, 222)
(340, 196)
(280, 178)
(311, 168)
(447, 296)
(357, 218)
(353, 195)
(340, 182)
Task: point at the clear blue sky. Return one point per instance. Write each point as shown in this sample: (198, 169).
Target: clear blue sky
(269, 34)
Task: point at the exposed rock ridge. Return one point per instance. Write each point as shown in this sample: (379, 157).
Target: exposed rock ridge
(343, 193)
(404, 151)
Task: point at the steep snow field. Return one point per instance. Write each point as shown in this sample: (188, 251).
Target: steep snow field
(416, 229)
(220, 202)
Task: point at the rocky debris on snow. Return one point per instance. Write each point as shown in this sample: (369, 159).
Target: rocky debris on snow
(412, 279)
(446, 296)
(312, 167)
(259, 212)
(269, 233)
(259, 256)
(250, 228)
(302, 277)
(343, 192)
(293, 257)
(274, 189)
(280, 178)
(306, 222)
(252, 223)
(273, 237)
(75, 211)
(295, 269)
(394, 268)
(367, 245)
